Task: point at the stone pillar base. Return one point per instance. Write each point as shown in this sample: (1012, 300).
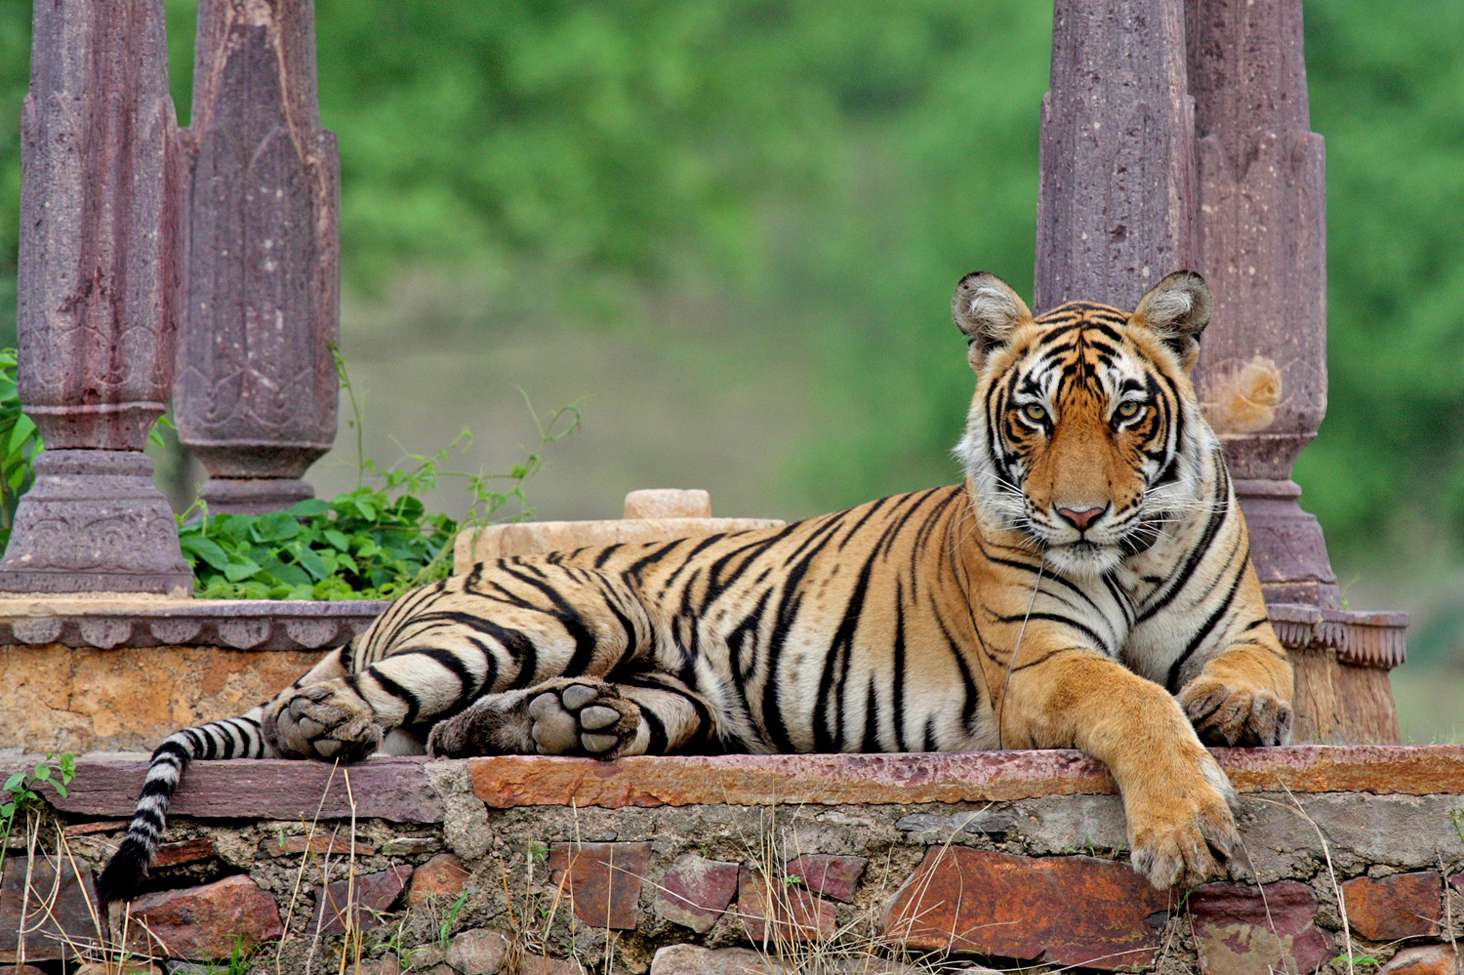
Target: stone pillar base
(1287, 546)
(94, 521)
(253, 495)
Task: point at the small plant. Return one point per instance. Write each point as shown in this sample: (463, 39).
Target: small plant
(444, 930)
(1456, 816)
(19, 444)
(19, 793)
(1356, 960)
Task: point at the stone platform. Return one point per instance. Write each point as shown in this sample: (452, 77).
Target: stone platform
(747, 862)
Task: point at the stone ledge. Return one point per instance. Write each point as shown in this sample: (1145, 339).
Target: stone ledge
(110, 621)
(400, 789)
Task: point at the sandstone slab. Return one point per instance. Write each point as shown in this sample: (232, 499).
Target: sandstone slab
(54, 912)
(1244, 930)
(318, 843)
(339, 907)
(1403, 905)
(1424, 960)
(184, 851)
(204, 922)
(1072, 911)
(477, 951)
(829, 875)
(602, 880)
(695, 892)
(774, 912)
(442, 877)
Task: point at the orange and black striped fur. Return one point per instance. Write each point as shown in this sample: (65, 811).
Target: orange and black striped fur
(1088, 585)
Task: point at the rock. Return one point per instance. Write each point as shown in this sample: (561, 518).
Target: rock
(204, 923)
(385, 965)
(477, 951)
(696, 891)
(602, 880)
(184, 851)
(1068, 910)
(1403, 905)
(47, 927)
(320, 843)
(404, 846)
(668, 503)
(375, 894)
(1240, 931)
(787, 913)
(111, 968)
(443, 876)
(928, 828)
(696, 960)
(531, 964)
(20, 970)
(832, 876)
(1424, 960)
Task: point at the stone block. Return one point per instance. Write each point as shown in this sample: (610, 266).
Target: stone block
(1245, 930)
(477, 951)
(1070, 910)
(602, 880)
(320, 843)
(696, 891)
(405, 846)
(1404, 905)
(696, 960)
(443, 877)
(783, 913)
(203, 923)
(1424, 960)
(55, 911)
(668, 503)
(184, 851)
(829, 875)
(930, 828)
(375, 893)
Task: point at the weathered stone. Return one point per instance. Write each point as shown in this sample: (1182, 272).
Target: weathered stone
(696, 960)
(113, 968)
(696, 891)
(782, 913)
(1424, 960)
(49, 921)
(668, 503)
(930, 828)
(205, 922)
(87, 829)
(602, 880)
(1243, 930)
(20, 970)
(385, 965)
(537, 537)
(532, 964)
(507, 781)
(831, 876)
(1072, 824)
(1073, 911)
(1404, 905)
(184, 851)
(375, 893)
(320, 843)
(477, 951)
(443, 877)
(404, 846)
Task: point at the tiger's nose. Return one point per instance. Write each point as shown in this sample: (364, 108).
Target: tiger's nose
(1081, 518)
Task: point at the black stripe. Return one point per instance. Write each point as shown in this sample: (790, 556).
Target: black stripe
(1204, 632)
(413, 703)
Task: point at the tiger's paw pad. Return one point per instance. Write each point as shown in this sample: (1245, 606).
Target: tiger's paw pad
(325, 721)
(1225, 715)
(582, 717)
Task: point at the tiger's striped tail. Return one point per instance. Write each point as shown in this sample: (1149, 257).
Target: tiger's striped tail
(240, 737)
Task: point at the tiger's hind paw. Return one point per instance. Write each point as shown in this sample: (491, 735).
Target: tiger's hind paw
(565, 716)
(326, 721)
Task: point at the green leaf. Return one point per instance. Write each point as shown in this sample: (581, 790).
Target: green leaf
(43, 772)
(13, 783)
(337, 539)
(60, 788)
(205, 549)
(239, 570)
(275, 527)
(312, 563)
(309, 508)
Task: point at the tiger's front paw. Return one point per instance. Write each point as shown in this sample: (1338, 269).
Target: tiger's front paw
(1224, 714)
(1180, 824)
(325, 721)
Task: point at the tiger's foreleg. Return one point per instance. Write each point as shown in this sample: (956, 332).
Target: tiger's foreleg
(1241, 693)
(1175, 796)
(641, 714)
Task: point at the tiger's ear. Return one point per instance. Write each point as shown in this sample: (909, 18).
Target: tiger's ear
(987, 310)
(1178, 309)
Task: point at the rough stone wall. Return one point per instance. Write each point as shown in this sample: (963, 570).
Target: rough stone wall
(1039, 882)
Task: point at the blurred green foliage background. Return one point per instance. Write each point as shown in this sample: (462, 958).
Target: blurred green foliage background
(731, 230)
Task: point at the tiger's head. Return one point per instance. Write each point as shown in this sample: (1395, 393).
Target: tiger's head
(1085, 433)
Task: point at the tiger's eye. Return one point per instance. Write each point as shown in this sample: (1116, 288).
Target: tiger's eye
(1034, 412)
(1129, 409)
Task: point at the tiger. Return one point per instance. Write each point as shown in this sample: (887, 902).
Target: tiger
(1087, 584)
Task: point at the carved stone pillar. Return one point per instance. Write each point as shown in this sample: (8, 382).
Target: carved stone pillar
(257, 389)
(1263, 248)
(1117, 153)
(97, 299)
